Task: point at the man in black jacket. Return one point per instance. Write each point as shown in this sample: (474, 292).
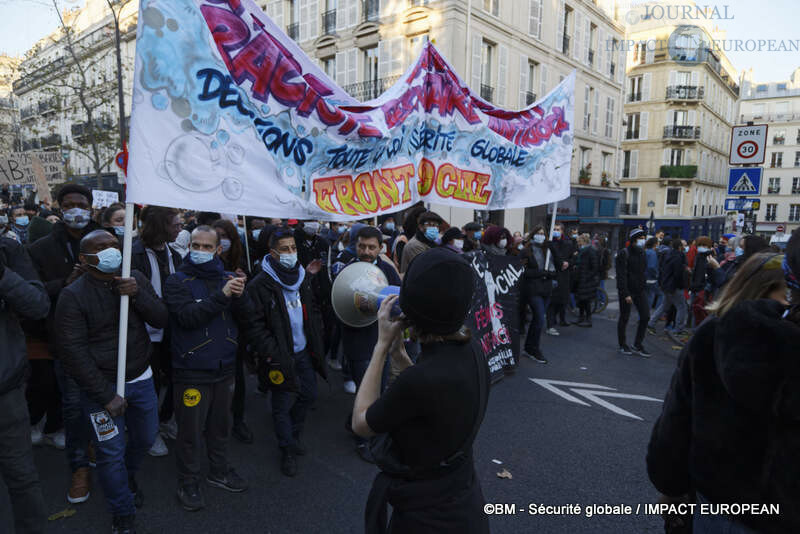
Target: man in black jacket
(631, 264)
(206, 305)
(564, 257)
(87, 315)
(672, 277)
(285, 332)
(22, 296)
(55, 258)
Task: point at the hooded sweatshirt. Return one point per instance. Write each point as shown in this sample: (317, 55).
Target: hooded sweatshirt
(290, 281)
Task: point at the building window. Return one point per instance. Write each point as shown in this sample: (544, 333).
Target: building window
(487, 51)
(779, 137)
(676, 157)
(606, 162)
(586, 207)
(796, 186)
(635, 94)
(777, 160)
(632, 122)
(587, 107)
(592, 38)
(774, 186)
(567, 20)
(781, 87)
(530, 90)
(794, 212)
(640, 53)
(607, 208)
(492, 6)
(673, 196)
(329, 66)
(610, 116)
(772, 212)
(626, 164)
(797, 155)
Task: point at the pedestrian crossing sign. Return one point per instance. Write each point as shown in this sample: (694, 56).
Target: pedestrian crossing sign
(745, 181)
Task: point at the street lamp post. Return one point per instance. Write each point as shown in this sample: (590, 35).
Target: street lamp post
(120, 94)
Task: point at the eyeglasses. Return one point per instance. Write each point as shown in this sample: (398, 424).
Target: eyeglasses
(770, 263)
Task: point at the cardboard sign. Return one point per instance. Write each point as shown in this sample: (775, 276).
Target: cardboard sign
(103, 199)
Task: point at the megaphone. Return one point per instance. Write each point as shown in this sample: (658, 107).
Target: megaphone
(358, 292)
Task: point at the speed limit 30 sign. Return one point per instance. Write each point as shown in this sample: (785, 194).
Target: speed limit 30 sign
(748, 144)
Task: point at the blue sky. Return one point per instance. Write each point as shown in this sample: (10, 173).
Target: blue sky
(750, 20)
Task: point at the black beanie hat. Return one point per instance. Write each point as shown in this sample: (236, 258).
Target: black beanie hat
(437, 291)
(452, 233)
(73, 188)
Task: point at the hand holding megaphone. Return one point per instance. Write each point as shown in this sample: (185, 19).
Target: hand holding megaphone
(390, 326)
(358, 292)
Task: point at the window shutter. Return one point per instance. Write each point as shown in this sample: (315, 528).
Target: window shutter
(275, 12)
(341, 15)
(695, 77)
(560, 26)
(543, 81)
(341, 68)
(502, 74)
(600, 52)
(586, 108)
(352, 12)
(384, 61)
(643, 125)
(577, 43)
(672, 76)
(634, 169)
(692, 117)
(596, 112)
(397, 56)
(304, 21)
(314, 18)
(475, 75)
(535, 18)
(523, 82)
(352, 66)
(670, 117)
(649, 54)
(647, 85)
(666, 156)
(587, 40)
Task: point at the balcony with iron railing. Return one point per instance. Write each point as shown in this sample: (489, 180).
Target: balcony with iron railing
(565, 45)
(80, 131)
(329, 22)
(31, 144)
(28, 111)
(530, 98)
(7, 103)
(678, 171)
(796, 190)
(685, 92)
(487, 92)
(370, 89)
(681, 132)
(293, 30)
(49, 105)
(778, 140)
(770, 117)
(776, 164)
(629, 209)
(371, 10)
(51, 140)
(634, 97)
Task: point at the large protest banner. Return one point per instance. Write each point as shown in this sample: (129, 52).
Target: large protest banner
(495, 317)
(230, 115)
(32, 167)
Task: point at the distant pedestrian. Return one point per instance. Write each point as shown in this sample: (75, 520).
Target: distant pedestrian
(631, 264)
(587, 279)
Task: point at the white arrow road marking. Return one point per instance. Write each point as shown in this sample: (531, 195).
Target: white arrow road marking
(549, 385)
(592, 394)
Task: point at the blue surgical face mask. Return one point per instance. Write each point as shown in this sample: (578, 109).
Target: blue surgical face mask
(256, 233)
(119, 230)
(288, 260)
(226, 244)
(199, 257)
(432, 233)
(3, 219)
(341, 228)
(21, 220)
(686, 249)
(478, 235)
(556, 234)
(109, 260)
(539, 238)
(702, 250)
(390, 226)
(739, 251)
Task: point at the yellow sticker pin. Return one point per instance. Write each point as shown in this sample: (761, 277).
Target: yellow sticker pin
(276, 377)
(191, 397)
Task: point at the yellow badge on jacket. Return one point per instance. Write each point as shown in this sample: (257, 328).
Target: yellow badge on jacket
(191, 397)
(276, 377)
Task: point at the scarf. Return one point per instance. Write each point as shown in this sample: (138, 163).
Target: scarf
(210, 270)
(288, 278)
(290, 281)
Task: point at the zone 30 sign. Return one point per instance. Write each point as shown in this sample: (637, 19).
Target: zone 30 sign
(748, 144)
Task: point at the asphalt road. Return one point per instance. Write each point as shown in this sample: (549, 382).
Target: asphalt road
(558, 452)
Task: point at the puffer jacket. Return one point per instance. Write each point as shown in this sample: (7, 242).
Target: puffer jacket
(631, 264)
(268, 331)
(87, 327)
(22, 296)
(587, 274)
(730, 424)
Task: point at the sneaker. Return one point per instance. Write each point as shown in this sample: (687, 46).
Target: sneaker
(123, 524)
(79, 486)
(242, 432)
(362, 449)
(36, 433)
(169, 429)
(652, 331)
(625, 349)
(535, 356)
(138, 495)
(55, 439)
(334, 364)
(191, 497)
(641, 352)
(230, 481)
(350, 387)
(552, 331)
(288, 462)
(159, 448)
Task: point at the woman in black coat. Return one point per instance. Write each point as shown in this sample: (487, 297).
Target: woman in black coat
(729, 431)
(563, 250)
(537, 286)
(588, 278)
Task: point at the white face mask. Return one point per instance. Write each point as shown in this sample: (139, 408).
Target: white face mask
(640, 243)
(539, 238)
(503, 242)
(458, 243)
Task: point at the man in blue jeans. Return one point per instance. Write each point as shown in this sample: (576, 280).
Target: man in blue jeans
(87, 319)
(285, 332)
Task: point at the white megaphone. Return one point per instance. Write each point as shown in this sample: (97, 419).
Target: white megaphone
(358, 292)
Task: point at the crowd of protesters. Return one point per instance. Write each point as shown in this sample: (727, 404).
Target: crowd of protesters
(214, 297)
